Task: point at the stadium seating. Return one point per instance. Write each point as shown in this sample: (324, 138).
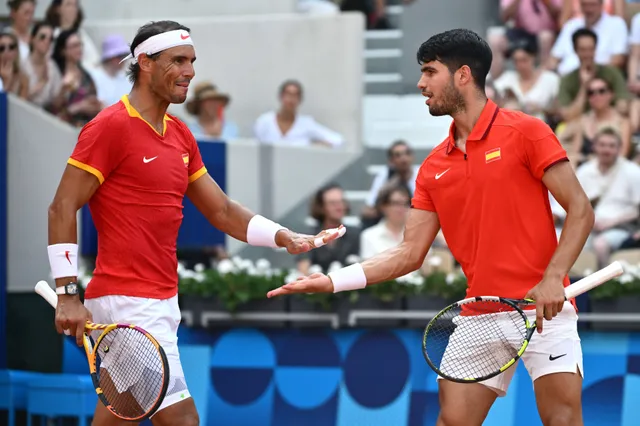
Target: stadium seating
(61, 395)
(13, 392)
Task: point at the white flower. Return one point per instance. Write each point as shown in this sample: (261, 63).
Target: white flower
(263, 264)
(246, 265)
(237, 260)
(451, 277)
(292, 276)
(315, 269)
(335, 266)
(199, 276)
(351, 259)
(434, 261)
(416, 279)
(199, 267)
(226, 266)
(626, 278)
(188, 274)
(403, 279)
(181, 267)
(587, 272)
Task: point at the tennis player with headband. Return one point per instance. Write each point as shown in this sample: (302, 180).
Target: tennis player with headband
(487, 185)
(133, 165)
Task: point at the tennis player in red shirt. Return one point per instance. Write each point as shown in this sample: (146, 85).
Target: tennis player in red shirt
(487, 185)
(133, 164)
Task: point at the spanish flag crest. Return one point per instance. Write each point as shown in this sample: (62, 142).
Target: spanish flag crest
(185, 159)
(492, 155)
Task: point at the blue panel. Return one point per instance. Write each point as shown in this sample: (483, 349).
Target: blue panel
(88, 234)
(195, 230)
(286, 414)
(194, 360)
(3, 228)
(630, 406)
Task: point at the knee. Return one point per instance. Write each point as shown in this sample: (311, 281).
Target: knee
(450, 417)
(562, 416)
(191, 419)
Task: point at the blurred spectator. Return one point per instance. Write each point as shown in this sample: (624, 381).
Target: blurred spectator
(288, 127)
(374, 10)
(13, 79)
(65, 15)
(111, 78)
(571, 9)
(535, 23)
(45, 81)
(21, 12)
(612, 37)
(81, 103)
(208, 105)
(533, 88)
(572, 96)
(317, 7)
(633, 72)
(600, 116)
(612, 183)
(400, 170)
(329, 208)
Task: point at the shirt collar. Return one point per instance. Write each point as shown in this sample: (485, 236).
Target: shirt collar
(481, 128)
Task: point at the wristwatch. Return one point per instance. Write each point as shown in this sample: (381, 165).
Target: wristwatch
(70, 289)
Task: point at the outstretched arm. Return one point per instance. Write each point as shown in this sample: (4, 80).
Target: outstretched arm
(239, 222)
(420, 232)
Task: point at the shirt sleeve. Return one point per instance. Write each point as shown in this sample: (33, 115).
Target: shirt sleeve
(618, 83)
(421, 198)
(194, 161)
(318, 132)
(619, 37)
(564, 91)
(100, 148)
(634, 35)
(559, 49)
(542, 148)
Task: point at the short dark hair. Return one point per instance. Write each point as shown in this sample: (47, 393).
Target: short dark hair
(583, 32)
(288, 83)
(384, 197)
(52, 15)
(15, 4)
(396, 144)
(34, 31)
(145, 32)
(317, 202)
(455, 48)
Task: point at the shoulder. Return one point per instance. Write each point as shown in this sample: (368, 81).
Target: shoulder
(527, 126)
(572, 24)
(609, 72)
(630, 167)
(613, 20)
(265, 117)
(113, 118)
(180, 126)
(635, 21)
(571, 78)
(550, 76)
(587, 168)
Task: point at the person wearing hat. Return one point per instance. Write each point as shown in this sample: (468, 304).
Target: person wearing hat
(208, 105)
(110, 77)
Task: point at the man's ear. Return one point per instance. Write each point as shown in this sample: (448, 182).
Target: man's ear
(145, 62)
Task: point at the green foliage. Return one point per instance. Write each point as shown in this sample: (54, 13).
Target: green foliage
(626, 285)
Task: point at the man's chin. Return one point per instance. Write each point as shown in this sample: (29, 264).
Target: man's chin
(178, 99)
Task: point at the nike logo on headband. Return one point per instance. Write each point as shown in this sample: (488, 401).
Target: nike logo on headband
(184, 37)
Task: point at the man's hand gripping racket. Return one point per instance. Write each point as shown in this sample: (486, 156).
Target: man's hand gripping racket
(475, 339)
(129, 368)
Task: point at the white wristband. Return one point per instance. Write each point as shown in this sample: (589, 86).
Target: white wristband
(63, 259)
(261, 232)
(350, 278)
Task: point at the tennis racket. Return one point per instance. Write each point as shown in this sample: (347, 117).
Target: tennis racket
(128, 367)
(477, 338)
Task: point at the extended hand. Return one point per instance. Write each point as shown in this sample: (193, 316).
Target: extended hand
(315, 283)
(549, 297)
(300, 243)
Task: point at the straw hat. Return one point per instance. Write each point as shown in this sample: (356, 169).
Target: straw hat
(202, 91)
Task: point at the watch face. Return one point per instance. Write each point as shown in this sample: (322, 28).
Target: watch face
(72, 288)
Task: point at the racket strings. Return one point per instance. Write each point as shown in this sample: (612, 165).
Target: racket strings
(130, 371)
(475, 340)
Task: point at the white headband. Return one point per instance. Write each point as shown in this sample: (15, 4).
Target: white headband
(160, 42)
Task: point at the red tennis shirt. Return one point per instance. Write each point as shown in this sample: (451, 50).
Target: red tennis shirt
(137, 210)
(492, 205)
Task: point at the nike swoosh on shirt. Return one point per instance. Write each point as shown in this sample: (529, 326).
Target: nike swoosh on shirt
(439, 175)
(148, 160)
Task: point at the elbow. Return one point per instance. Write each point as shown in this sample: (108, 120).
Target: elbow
(61, 210)
(414, 259)
(584, 210)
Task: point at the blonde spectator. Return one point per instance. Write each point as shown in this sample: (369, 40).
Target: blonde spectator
(288, 127)
(66, 15)
(533, 88)
(13, 79)
(602, 115)
(81, 103)
(45, 81)
(208, 106)
(21, 12)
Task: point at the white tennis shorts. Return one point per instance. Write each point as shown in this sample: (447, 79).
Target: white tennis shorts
(556, 350)
(161, 318)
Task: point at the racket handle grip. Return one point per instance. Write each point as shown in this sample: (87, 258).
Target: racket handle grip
(594, 280)
(43, 289)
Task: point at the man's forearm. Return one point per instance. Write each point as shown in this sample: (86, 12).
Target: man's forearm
(391, 264)
(577, 226)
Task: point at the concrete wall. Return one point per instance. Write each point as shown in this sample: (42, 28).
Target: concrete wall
(248, 57)
(172, 9)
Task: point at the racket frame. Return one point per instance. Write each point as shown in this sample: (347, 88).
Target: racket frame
(43, 289)
(530, 327)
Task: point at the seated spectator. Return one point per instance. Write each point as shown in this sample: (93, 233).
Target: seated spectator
(633, 73)
(208, 105)
(572, 96)
(571, 9)
(400, 170)
(612, 35)
(13, 79)
(601, 115)
(533, 89)
(81, 102)
(45, 81)
(66, 15)
(21, 13)
(535, 23)
(612, 183)
(287, 127)
(329, 208)
(110, 77)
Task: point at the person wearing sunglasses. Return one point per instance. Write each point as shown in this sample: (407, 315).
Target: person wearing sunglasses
(45, 80)
(13, 79)
(21, 13)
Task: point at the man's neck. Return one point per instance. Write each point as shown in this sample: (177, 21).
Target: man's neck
(395, 228)
(606, 167)
(329, 224)
(465, 120)
(591, 21)
(286, 115)
(149, 106)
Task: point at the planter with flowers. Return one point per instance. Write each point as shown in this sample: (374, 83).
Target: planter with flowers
(620, 295)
